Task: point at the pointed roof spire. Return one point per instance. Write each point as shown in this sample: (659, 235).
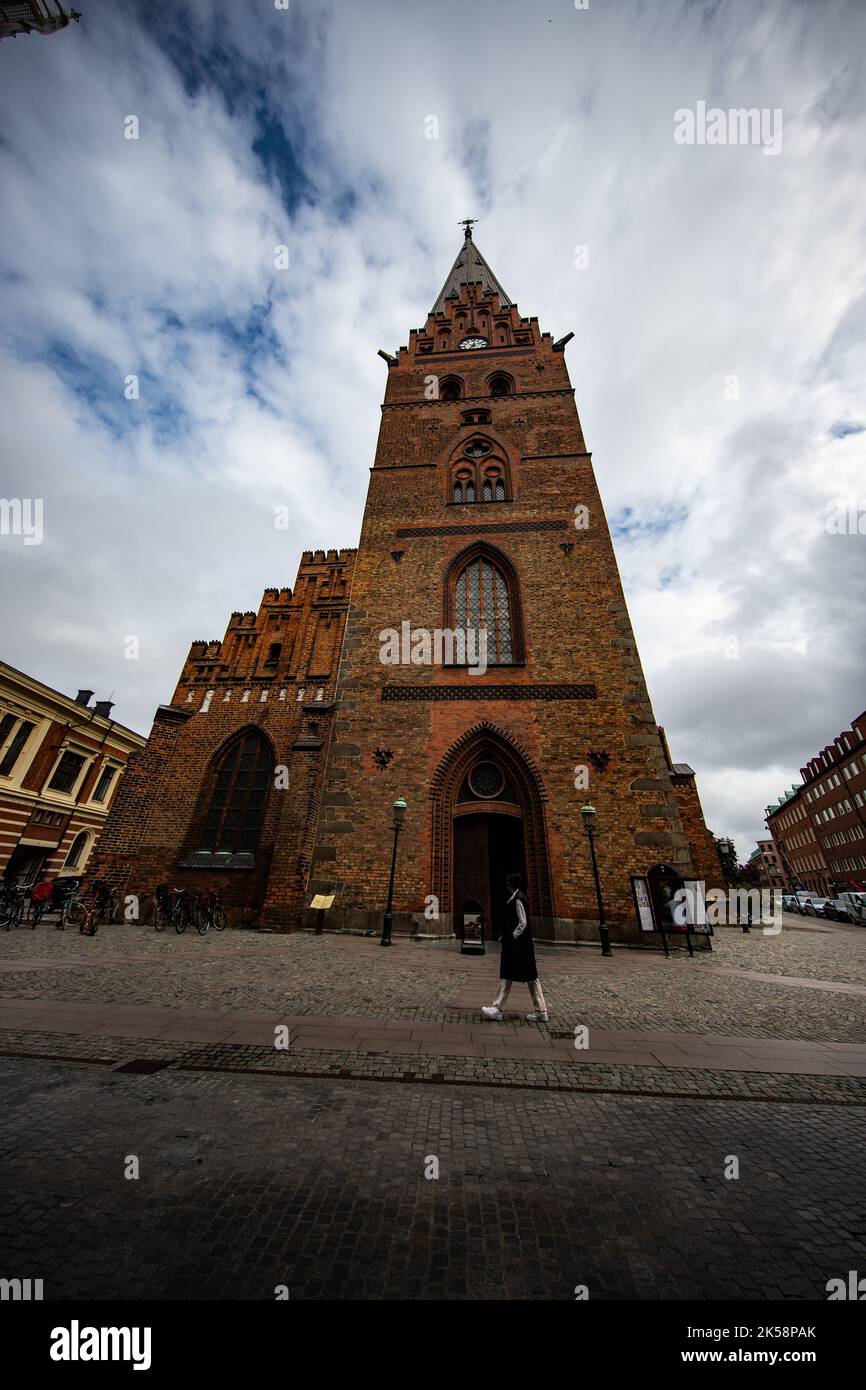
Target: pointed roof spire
(469, 267)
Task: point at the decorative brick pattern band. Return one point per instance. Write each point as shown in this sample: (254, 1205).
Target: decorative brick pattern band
(488, 692)
(482, 530)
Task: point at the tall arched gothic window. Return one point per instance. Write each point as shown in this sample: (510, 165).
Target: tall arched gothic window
(482, 599)
(239, 791)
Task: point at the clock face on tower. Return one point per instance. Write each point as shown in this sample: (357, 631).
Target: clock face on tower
(474, 342)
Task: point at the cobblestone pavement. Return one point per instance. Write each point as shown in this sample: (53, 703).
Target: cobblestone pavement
(514, 1072)
(332, 975)
(251, 1182)
(829, 951)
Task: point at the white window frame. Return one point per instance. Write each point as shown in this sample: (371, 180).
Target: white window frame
(29, 749)
(68, 798)
(89, 842)
(112, 786)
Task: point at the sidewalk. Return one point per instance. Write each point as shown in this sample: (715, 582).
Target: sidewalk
(512, 1040)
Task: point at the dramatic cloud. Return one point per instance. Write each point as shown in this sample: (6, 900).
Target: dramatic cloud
(718, 309)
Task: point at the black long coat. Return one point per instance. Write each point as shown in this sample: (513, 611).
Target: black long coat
(518, 957)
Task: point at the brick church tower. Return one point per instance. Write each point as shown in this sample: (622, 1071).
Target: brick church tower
(483, 513)
(474, 656)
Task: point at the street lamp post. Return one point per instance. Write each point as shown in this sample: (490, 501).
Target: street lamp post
(399, 817)
(588, 813)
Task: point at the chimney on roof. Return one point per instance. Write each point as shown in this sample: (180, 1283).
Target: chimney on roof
(83, 698)
(104, 707)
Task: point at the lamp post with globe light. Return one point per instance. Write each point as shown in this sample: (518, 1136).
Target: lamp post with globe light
(399, 817)
(589, 814)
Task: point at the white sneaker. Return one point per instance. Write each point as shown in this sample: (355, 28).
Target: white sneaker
(537, 1018)
(491, 1011)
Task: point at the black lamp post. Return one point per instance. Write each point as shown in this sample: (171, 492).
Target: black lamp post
(399, 817)
(588, 813)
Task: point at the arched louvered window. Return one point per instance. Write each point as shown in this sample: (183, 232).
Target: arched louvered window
(458, 491)
(450, 389)
(487, 491)
(481, 600)
(500, 490)
(470, 492)
(233, 819)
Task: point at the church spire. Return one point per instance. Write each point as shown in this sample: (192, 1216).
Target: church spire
(469, 268)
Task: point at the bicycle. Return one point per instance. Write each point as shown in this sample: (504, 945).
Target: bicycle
(103, 904)
(11, 906)
(74, 910)
(172, 905)
(182, 911)
(69, 891)
(37, 911)
(210, 914)
(161, 907)
(88, 915)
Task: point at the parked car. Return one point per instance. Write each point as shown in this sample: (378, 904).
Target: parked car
(848, 907)
(790, 904)
(835, 911)
(812, 906)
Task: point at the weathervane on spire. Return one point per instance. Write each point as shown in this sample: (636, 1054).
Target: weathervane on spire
(468, 223)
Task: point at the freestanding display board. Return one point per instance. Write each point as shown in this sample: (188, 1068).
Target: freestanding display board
(472, 937)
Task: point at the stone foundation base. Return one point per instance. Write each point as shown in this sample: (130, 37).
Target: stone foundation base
(559, 931)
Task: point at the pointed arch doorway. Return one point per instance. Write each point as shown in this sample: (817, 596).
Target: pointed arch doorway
(488, 822)
(487, 848)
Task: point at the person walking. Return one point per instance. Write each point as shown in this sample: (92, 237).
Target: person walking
(517, 961)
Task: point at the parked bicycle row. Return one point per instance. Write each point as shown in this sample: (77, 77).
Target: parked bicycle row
(182, 908)
(22, 906)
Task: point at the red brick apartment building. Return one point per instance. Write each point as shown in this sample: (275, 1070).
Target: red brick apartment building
(482, 513)
(769, 865)
(61, 761)
(819, 826)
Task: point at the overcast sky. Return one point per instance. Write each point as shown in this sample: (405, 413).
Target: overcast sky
(718, 357)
